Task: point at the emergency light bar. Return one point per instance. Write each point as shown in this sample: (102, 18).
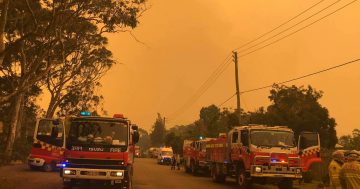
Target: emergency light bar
(118, 116)
(85, 113)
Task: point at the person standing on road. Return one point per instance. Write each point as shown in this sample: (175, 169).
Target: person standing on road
(350, 172)
(178, 161)
(173, 162)
(334, 169)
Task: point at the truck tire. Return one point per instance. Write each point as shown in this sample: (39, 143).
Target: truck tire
(32, 167)
(47, 167)
(194, 170)
(127, 181)
(216, 177)
(285, 184)
(241, 180)
(68, 185)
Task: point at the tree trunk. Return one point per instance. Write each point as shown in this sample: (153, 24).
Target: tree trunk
(13, 127)
(20, 122)
(3, 19)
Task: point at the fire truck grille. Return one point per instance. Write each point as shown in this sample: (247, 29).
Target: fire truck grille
(95, 164)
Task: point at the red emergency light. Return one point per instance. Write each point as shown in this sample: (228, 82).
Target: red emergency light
(118, 116)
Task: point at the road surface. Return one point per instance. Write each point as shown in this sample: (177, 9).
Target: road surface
(147, 175)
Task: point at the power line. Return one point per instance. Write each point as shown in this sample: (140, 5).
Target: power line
(287, 29)
(204, 87)
(284, 23)
(232, 96)
(306, 26)
(293, 79)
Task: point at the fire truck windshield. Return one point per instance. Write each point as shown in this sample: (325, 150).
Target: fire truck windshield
(97, 133)
(272, 138)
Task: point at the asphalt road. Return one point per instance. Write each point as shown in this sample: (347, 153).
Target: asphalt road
(147, 175)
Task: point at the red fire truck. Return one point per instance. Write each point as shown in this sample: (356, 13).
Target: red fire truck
(99, 149)
(48, 147)
(257, 154)
(194, 154)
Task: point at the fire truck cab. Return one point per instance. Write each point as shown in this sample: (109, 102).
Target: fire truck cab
(48, 146)
(309, 150)
(256, 153)
(99, 149)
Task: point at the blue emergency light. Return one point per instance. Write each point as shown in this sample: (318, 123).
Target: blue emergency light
(85, 113)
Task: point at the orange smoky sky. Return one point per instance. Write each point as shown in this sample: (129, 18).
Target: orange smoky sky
(186, 40)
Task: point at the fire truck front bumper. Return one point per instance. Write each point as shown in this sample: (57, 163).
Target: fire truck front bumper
(276, 171)
(38, 162)
(92, 174)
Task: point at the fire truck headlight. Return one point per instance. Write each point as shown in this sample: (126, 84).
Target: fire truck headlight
(117, 174)
(258, 169)
(69, 172)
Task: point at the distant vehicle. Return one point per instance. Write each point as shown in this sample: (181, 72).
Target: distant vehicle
(48, 146)
(165, 156)
(154, 152)
(99, 149)
(137, 152)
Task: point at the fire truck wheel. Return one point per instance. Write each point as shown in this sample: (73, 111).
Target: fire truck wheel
(221, 178)
(68, 185)
(127, 184)
(47, 167)
(286, 184)
(241, 179)
(193, 168)
(32, 167)
(127, 181)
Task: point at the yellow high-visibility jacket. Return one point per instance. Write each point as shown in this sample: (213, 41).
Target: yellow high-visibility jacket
(350, 175)
(334, 173)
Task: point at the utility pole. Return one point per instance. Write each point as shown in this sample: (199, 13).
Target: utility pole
(237, 83)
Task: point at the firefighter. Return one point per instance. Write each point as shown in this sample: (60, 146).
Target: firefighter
(350, 172)
(178, 161)
(173, 162)
(334, 169)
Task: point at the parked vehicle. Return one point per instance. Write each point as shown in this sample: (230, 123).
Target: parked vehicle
(48, 146)
(99, 149)
(165, 156)
(309, 148)
(194, 154)
(138, 152)
(257, 154)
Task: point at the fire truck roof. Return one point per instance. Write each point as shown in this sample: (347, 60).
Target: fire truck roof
(262, 127)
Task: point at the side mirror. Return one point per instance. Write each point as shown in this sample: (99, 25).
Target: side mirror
(136, 137)
(134, 127)
(56, 122)
(301, 152)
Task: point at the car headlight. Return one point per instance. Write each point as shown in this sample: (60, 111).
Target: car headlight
(69, 172)
(258, 169)
(298, 171)
(117, 174)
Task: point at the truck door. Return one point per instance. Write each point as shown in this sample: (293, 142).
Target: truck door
(245, 148)
(49, 140)
(309, 148)
(235, 145)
